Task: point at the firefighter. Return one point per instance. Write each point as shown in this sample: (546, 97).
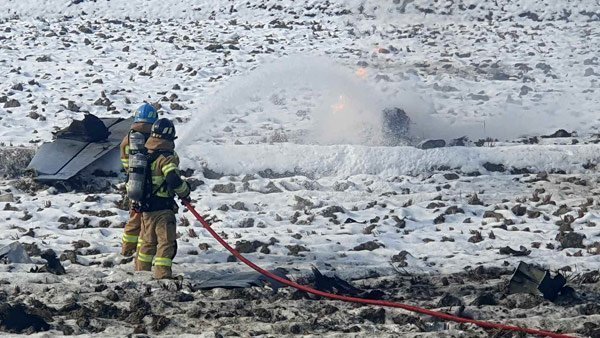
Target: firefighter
(158, 243)
(145, 116)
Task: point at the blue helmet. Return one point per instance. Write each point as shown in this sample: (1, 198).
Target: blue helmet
(146, 114)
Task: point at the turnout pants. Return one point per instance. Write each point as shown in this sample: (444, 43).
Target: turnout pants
(158, 243)
(131, 233)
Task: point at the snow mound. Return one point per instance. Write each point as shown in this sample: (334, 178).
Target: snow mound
(347, 160)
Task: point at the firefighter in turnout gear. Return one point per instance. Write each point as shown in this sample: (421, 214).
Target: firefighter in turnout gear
(158, 236)
(145, 116)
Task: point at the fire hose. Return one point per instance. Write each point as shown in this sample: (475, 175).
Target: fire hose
(411, 308)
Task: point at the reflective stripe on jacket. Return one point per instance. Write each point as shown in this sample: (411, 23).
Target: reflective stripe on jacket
(166, 179)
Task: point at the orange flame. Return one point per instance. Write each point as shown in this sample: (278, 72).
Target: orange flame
(361, 73)
(340, 105)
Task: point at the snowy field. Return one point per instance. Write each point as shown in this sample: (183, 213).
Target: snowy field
(278, 105)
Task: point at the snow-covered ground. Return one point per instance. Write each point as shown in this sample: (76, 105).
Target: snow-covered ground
(279, 106)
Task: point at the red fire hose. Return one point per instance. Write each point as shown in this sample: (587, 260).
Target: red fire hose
(441, 315)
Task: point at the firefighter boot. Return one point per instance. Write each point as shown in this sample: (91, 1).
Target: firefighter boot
(131, 234)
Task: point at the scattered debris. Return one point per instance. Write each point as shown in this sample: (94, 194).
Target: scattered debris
(559, 133)
(530, 279)
(242, 280)
(509, 251)
(370, 246)
(14, 253)
(430, 144)
(333, 284)
(53, 264)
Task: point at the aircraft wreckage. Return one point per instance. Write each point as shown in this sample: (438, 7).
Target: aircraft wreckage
(82, 144)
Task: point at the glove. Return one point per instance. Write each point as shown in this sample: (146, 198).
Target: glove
(185, 199)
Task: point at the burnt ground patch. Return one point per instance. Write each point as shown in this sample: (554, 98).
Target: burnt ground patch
(153, 307)
(19, 318)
